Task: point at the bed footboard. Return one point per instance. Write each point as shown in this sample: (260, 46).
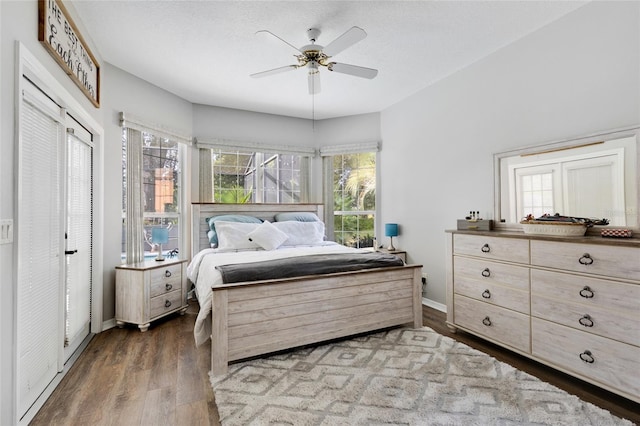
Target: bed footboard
(251, 319)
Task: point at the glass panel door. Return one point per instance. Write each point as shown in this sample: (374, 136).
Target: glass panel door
(78, 241)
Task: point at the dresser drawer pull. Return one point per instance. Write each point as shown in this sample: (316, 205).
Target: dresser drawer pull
(486, 321)
(167, 303)
(586, 292)
(167, 273)
(586, 320)
(168, 286)
(486, 272)
(485, 248)
(486, 294)
(586, 259)
(587, 357)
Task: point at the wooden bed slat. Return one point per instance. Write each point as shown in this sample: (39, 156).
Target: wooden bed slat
(313, 296)
(312, 334)
(268, 314)
(331, 312)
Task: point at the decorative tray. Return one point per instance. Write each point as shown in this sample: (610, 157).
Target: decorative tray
(565, 226)
(561, 229)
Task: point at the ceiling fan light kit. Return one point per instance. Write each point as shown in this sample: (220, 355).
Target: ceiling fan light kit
(313, 56)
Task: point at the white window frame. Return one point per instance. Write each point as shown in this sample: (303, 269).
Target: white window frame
(128, 120)
(249, 147)
(327, 153)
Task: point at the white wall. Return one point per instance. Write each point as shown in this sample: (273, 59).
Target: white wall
(578, 75)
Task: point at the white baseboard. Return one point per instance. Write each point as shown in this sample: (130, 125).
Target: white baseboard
(112, 323)
(435, 305)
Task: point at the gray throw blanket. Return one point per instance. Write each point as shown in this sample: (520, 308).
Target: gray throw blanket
(306, 265)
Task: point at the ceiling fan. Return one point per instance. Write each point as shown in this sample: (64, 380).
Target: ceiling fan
(313, 56)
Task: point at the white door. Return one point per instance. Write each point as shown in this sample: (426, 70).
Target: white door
(54, 243)
(78, 238)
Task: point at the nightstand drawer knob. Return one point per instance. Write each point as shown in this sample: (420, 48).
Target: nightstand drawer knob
(485, 248)
(486, 294)
(486, 321)
(167, 303)
(168, 287)
(486, 272)
(167, 273)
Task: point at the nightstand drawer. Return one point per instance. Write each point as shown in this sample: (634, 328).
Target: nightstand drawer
(164, 280)
(165, 303)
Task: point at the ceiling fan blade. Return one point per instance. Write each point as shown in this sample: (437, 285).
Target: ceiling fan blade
(314, 82)
(349, 38)
(353, 70)
(279, 38)
(274, 71)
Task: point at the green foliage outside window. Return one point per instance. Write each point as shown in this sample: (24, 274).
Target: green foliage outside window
(354, 198)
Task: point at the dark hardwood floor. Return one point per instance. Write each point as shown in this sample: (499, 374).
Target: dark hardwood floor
(125, 377)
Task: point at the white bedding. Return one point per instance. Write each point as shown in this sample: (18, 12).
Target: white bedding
(202, 271)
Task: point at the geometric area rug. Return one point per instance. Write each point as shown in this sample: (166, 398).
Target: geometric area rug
(401, 376)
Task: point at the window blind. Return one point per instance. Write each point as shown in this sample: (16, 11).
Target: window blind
(39, 243)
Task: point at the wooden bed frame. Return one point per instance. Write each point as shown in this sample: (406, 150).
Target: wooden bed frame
(256, 318)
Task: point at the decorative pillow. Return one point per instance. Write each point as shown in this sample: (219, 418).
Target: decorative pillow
(297, 216)
(267, 236)
(302, 233)
(233, 235)
(213, 237)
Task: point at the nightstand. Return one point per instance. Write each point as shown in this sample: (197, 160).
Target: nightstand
(150, 290)
(400, 253)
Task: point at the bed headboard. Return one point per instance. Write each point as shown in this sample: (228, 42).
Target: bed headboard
(201, 211)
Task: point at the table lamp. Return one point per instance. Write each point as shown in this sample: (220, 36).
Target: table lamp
(160, 236)
(391, 230)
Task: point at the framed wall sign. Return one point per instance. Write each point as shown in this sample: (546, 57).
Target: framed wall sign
(60, 36)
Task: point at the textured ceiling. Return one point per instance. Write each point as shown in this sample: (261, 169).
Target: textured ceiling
(204, 51)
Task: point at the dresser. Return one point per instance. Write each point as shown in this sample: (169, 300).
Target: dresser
(571, 303)
(150, 290)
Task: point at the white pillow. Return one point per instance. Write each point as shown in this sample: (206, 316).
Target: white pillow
(233, 235)
(302, 233)
(267, 236)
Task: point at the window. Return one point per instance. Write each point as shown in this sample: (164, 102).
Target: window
(230, 175)
(152, 192)
(351, 181)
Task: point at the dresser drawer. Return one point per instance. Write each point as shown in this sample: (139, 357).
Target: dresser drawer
(500, 324)
(165, 303)
(610, 261)
(604, 294)
(508, 249)
(602, 322)
(494, 283)
(606, 361)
